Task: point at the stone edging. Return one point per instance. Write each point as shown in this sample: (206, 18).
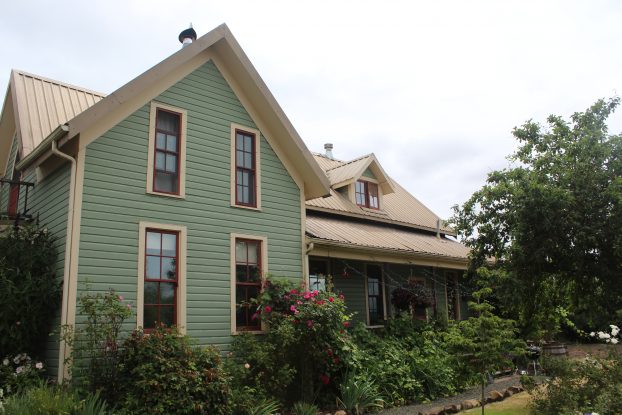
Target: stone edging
(493, 396)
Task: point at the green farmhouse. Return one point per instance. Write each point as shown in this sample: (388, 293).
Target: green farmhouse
(186, 187)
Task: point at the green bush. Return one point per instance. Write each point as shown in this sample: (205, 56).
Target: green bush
(357, 394)
(19, 372)
(96, 343)
(408, 362)
(161, 373)
(52, 400)
(29, 289)
(312, 321)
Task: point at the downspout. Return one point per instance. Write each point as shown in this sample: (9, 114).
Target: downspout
(62, 131)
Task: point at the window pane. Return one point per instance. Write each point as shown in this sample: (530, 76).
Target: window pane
(171, 163)
(160, 141)
(248, 144)
(240, 317)
(153, 267)
(153, 243)
(239, 159)
(151, 292)
(240, 251)
(317, 282)
(167, 293)
(167, 315)
(239, 141)
(150, 317)
(164, 182)
(169, 271)
(160, 161)
(171, 143)
(254, 273)
(248, 161)
(167, 121)
(360, 187)
(360, 199)
(252, 292)
(241, 195)
(253, 247)
(169, 244)
(240, 295)
(241, 272)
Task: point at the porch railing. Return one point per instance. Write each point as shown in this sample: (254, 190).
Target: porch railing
(14, 201)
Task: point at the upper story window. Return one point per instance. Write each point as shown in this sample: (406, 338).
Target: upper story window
(245, 178)
(167, 151)
(366, 194)
(245, 172)
(166, 168)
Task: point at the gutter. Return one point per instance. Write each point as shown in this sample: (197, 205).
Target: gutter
(58, 133)
(52, 139)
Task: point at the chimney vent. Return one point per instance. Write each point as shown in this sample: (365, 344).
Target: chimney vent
(328, 148)
(187, 36)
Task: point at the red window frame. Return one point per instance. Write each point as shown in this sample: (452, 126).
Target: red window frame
(166, 151)
(175, 281)
(252, 323)
(369, 194)
(243, 169)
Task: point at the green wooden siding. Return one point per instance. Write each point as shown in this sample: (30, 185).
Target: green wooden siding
(115, 200)
(49, 201)
(8, 174)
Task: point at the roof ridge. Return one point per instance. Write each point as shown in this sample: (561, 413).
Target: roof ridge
(350, 162)
(60, 83)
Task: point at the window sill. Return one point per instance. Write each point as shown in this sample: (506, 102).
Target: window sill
(151, 192)
(258, 208)
(376, 326)
(240, 332)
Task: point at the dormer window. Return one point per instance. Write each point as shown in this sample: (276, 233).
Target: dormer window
(366, 194)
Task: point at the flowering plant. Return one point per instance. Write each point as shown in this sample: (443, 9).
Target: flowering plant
(20, 372)
(608, 337)
(311, 326)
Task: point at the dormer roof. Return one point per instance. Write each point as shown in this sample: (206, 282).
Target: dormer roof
(351, 171)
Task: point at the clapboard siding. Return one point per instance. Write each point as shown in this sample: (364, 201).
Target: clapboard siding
(49, 201)
(114, 201)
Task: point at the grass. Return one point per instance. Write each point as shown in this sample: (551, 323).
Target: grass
(515, 405)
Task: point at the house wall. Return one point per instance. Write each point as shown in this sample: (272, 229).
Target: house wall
(49, 202)
(7, 174)
(115, 201)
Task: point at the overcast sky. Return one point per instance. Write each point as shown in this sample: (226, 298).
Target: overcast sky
(432, 88)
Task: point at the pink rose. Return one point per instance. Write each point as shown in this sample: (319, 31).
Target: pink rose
(292, 308)
(309, 323)
(268, 309)
(331, 299)
(120, 298)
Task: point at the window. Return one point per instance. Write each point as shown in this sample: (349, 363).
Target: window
(245, 172)
(161, 296)
(318, 270)
(366, 194)
(245, 188)
(375, 303)
(161, 258)
(166, 168)
(248, 278)
(167, 151)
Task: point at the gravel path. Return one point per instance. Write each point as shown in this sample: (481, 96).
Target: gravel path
(474, 393)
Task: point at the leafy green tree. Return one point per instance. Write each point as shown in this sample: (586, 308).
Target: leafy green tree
(486, 342)
(550, 225)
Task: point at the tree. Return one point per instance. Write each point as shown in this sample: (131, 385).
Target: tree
(550, 225)
(486, 342)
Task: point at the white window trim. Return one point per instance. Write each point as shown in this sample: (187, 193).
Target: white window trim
(182, 150)
(384, 298)
(264, 272)
(257, 134)
(181, 271)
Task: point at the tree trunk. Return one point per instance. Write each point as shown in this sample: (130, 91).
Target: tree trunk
(483, 396)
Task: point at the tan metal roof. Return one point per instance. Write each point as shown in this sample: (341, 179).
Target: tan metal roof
(43, 104)
(377, 236)
(399, 207)
(346, 171)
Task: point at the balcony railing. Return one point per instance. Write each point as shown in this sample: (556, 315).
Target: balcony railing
(14, 201)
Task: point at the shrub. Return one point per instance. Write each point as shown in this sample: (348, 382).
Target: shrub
(312, 321)
(357, 394)
(411, 295)
(161, 373)
(19, 372)
(52, 400)
(95, 344)
(408, 362)
(29, 289)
